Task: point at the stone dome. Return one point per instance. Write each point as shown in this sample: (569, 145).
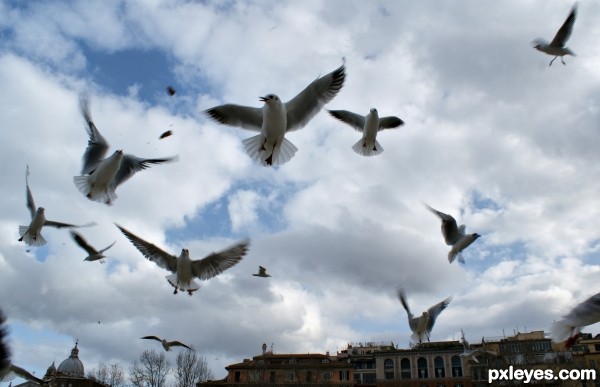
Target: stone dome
(72, 366)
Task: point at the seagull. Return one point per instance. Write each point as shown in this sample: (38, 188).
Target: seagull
(276, 118)
(262, 272)
(454, 235)
(557, 46)
(31, 234)
(369, 126)
(167, 344)
(471, 354)
(568, 328)
(9, 371)
(185, 269)
(101, 176)
(94, 255)
(422, 326)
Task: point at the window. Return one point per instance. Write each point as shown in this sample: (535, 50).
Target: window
(327, 375)
(422, 368)
(272, 377)
(344, 375)
(309, 376)
(438, 364)
(289, 376)
(293, 361)
(388, 369)
(405, 368)
(369, 378)
(255, 376)
(456, 367)
(237, 376)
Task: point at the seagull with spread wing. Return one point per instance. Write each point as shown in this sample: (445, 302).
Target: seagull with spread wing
(262, 272)
(93, 254)
(101, 176)
(557, 46)
(422, 326)
(9, 371)
(185, 269)
(166, 344)
(31, 234)
(454, 235)
(369, 126)
(584, 314)
(277, 118)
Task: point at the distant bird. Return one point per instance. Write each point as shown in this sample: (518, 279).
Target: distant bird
(454, 235)
(31, 234)
(422, 326)
(167, 344)
(262, 272)
(557, 46)
(185, 269)
(101, 176)
(171, 90)
(276, 118)
(93, 254)
(568, 328)
(9, 371)
(369, 126)
(165, 134)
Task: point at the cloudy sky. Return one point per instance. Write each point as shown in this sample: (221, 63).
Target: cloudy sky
(493, 136)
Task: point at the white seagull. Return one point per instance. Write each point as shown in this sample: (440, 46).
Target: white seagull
(422, 326)
(557, 46)
(31, 234)
(369, 126)
(9, 371)
(471, 354)
(186, 269)
(454, 235)
(167, 344)
(262, 272)
(276, 118)
(568, 328)
(101, 176)
(93, 254)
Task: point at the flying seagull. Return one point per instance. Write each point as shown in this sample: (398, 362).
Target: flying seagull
(557, 46)
(262, 272)
(101, 176)
(471, 354)
(31, 234)
(422, 326)
(369, 126)
(276, 118)
(568, 328)
(454, 235)
(93, 254)
(9, 371)
(185, 269)
(167, 344)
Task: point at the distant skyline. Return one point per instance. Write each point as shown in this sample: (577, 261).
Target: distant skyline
(493, 136)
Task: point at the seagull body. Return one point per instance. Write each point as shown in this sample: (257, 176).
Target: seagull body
(454, 235)
(93, 254)
(167, 344)
(369, 126)
(471, 354)
(262, 272)
(31, 234)
(100, 176)
(9, 371)
(422, 326)
(557, 46)
(584, 314)
(276, 118)
(185, 269)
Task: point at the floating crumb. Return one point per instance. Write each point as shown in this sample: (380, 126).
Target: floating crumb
(165, 134)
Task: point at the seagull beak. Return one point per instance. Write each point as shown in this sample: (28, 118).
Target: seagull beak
(263, 99)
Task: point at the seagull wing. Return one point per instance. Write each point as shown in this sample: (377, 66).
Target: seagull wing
(307, 104)
(450, 229)
(30, 202)
(390, 122)
(236, 115)
(131, 164)
(97, 145)
(4, 350)
(150, 251)
(262, 270)
(107, 247)
(151, 338)
(176, 343)
(435, 310)
(216, 263)
(22, 373)
(355, 120)
(565, 30)
(80, 240)
(402, 297)
(586, 313)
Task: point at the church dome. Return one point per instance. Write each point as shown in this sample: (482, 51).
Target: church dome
(72, 366)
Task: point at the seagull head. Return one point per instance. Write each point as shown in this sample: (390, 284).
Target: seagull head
(539, 43)
(40, 210)
(475, 236)
(269, 98)
(185, 253)
(373, 110)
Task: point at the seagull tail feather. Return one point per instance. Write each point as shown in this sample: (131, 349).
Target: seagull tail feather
(84, 185)
(281, 154)
(187, 286)
(368, 150)
(284, 152)
(561, 331)
(28, 239)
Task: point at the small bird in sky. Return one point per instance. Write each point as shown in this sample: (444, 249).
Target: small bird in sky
(31, 234)
(262, 272)
(584, 314)
(171, 91)
(369, 126)
(276, 118)
(101, 176)
(422, 326)
(9, 371)
(93, 254)
(166, 344)
(454, 235)
(557, 46)
(186, 269)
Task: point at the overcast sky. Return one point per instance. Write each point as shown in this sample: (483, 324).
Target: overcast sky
(492, 135)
